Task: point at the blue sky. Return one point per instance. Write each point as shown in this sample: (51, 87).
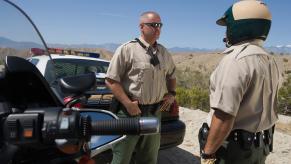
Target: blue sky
(187, 23)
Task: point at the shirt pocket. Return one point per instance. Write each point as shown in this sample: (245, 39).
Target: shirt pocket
(143, 71)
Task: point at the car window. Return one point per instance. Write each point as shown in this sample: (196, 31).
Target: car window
(49, 72)
(72, 67)
(34, 61)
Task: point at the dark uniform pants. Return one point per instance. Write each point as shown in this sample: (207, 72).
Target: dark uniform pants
(146, 147)
(232, 153)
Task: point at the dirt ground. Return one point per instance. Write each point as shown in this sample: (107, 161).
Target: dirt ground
(188, 151)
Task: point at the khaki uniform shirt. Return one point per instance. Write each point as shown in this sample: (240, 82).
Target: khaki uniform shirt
(245, 85)
(141, 80)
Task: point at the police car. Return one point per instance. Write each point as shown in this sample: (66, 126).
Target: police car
(71, 63)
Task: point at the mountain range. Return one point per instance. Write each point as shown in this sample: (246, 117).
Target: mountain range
(280, 49)
(4, 42)
(7, 43)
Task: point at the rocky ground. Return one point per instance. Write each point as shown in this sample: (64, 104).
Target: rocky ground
(188, 151)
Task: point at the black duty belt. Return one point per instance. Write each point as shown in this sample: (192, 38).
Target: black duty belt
(247, 139)
(149, 108)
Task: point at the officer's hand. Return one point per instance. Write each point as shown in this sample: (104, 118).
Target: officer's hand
(167, 102)
(132, 108)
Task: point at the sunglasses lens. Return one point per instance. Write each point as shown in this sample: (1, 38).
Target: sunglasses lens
(155, 25)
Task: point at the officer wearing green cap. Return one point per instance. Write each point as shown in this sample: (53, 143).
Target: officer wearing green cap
(243, 90)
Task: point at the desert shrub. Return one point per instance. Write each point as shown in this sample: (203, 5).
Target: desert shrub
(194, 97)
(192, 90)
(188, 78)
(284, 97)
(285, 60)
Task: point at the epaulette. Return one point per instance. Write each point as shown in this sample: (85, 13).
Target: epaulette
(131, 41)
(251, 49)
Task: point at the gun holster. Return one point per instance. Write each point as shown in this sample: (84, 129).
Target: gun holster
(269, 137)
(202, 135)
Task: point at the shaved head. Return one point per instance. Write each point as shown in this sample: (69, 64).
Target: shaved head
(146, 16)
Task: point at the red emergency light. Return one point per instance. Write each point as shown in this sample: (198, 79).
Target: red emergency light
(37, 51)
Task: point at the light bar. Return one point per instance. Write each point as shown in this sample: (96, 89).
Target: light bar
(38, 51)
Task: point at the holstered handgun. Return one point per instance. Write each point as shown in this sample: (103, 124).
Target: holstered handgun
(202, 135)
(269, 135)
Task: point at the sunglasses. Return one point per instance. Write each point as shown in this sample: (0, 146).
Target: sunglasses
(155, 25)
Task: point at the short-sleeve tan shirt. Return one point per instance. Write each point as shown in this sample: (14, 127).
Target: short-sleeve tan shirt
(141, 80)
(245, 85)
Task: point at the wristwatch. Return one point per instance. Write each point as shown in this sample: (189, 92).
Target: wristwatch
(172, 93)
(206, 156)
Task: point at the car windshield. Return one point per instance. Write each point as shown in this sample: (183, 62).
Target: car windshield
(72, 67)
(65, 67)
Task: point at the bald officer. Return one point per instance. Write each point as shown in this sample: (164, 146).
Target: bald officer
(243, 90)
(141, 75)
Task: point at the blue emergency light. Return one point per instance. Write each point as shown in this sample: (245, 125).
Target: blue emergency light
(87, 54)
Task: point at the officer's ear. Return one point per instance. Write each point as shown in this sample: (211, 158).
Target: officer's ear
(141, 26)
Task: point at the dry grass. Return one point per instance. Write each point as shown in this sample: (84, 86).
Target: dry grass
(206, 62)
